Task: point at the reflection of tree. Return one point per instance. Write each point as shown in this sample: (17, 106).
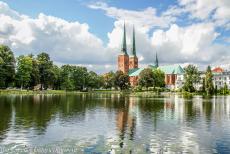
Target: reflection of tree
(152, 108)
(35, 111)
(207, 106)
(5, 115)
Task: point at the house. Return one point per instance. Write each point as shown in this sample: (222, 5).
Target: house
(221, 77)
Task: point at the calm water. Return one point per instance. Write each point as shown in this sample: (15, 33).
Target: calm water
(99, 123)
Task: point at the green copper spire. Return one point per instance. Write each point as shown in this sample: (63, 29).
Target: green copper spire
(124, 47)
(156, 61)
(133, 44)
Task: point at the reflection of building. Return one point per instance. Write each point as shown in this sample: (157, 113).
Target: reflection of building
(129, 64)
(126, 121)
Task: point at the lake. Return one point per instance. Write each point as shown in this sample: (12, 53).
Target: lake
(114, 123)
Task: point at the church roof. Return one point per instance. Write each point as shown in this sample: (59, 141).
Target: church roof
(135, 71)
(167, 69)
(172, 69)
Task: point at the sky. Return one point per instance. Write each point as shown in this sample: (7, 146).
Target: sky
(89, 32)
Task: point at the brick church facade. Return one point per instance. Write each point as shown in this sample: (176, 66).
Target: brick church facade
(128, 64)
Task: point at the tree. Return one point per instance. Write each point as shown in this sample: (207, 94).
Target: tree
(159, 78)
(121, 80)
(80, 77)
(146, 78)
(35, 78)
(24, 70)
(7, 66)
(225, 89)
(44, 65)
(66, 77)
(94, 80)
(191, 77)
(209, 88)
(55, 75)
(109, 80)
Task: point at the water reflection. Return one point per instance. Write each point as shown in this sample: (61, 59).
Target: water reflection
(124, 123)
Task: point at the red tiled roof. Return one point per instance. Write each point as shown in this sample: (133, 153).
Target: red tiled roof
(218, 70)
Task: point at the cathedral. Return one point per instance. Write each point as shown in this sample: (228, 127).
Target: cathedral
(129, 64)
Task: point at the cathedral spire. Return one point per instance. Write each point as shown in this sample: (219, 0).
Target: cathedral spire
(156, 61)
(133, 44)
(124, 46)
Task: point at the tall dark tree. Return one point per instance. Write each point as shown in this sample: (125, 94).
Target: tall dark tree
(7, 66)
(192, 77)
(121, 80)
(209, 88)
(45, 66)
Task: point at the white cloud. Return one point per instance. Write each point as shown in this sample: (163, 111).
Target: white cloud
(217, 11)
(71, 42)
(145, 19)
(188, 44)
(66, 42)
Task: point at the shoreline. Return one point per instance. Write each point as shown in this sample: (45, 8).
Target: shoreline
(60, 92)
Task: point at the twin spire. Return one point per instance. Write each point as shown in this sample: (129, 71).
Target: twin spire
(124, 46)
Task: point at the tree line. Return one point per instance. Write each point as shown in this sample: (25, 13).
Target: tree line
(29, 71)
(39, 72)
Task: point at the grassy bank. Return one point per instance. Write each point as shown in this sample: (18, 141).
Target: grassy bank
(136, 93)
(32, 92)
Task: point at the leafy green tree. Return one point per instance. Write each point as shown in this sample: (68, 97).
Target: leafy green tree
(80, 77)
(203, 85)
(45, 66)
(146, 78)
(66, 77)
(35, 78)
(216, 89)
(7, 66)
(209, 88)
(94, 80)
(109, 80)
(121, 80)
(159, 78)
(55, 75)
(24, 70)
(191, 76)
(225, 89)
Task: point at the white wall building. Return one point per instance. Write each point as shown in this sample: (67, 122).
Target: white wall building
(220, 79)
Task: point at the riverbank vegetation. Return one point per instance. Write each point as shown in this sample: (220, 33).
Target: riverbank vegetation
(35, 74)
(39, 73)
